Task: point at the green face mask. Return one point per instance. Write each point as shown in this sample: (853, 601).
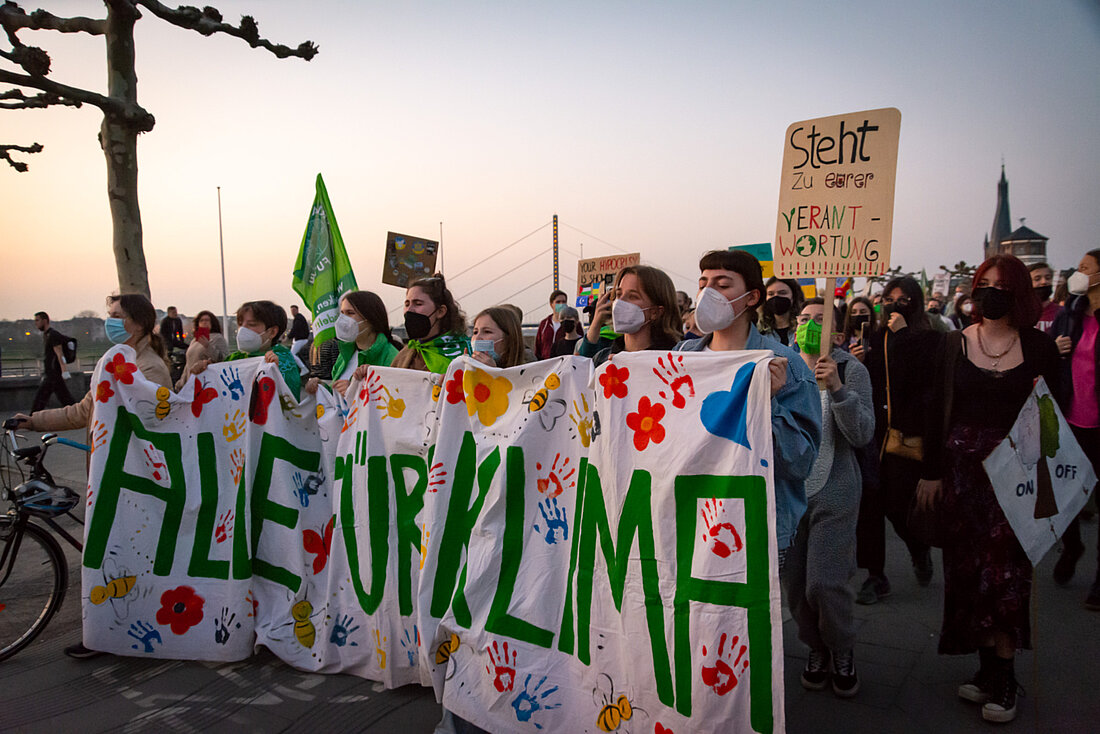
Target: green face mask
(808, 336)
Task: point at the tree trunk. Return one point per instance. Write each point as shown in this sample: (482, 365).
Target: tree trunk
(118, 138)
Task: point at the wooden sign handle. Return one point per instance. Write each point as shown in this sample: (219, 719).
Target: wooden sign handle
(827, 323)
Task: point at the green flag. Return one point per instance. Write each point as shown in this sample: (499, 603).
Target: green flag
(322, 272)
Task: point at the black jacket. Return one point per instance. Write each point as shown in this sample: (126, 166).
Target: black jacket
(1070, 322)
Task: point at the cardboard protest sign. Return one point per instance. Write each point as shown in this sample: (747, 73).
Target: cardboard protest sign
(1041, 476)
(408, 258)
(530, 541)
(836, 195)
(596, 275)
(941, 284)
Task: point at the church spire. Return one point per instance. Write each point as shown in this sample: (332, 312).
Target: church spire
(1002, 222)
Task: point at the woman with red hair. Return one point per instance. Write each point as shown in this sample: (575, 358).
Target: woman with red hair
(984, 375)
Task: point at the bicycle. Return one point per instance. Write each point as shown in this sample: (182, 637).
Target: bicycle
(33, 570)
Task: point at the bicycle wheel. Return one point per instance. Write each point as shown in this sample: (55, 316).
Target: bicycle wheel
(33, 577)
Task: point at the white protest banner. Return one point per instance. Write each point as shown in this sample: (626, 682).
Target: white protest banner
(1041, 476)
(167, 568)
(551, 550)
(836, 195)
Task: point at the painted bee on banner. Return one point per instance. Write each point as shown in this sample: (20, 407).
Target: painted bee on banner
(116, 588)
(613, 710)
(304, 630)
(538, 401)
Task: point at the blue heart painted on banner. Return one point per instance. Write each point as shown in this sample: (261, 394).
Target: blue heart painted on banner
(725, 412)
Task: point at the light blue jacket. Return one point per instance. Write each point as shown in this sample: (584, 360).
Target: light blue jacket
(796, 431)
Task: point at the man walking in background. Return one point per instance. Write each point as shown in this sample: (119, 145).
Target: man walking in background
(171, 330)
(54, 374)
(299, 331)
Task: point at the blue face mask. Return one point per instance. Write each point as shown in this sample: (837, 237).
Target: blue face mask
(116, 330)
(488, 346)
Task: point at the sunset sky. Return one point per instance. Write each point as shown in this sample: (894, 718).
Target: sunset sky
(646, 126)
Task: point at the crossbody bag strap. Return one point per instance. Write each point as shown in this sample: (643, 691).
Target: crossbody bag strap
(889, 406)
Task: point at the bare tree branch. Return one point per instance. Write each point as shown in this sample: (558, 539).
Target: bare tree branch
(13, 17)
(208, 21)
(132, 114)
(38, 101)
(18, 165)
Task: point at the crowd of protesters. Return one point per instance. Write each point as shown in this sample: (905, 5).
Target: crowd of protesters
(887, 418)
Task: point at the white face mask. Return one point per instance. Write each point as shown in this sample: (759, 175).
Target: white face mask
(627, 317)
(249, 341)
(347, 328)
(714, 312)
(1079, 283)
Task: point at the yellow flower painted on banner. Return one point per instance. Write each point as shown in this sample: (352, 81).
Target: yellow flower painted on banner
(485, 395)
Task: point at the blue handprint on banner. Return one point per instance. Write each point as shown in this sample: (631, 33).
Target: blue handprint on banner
(231, 378)
(411, 643)
(557, 526)
(344, 626)
(145, 634)
(530, 700)
(307, 486)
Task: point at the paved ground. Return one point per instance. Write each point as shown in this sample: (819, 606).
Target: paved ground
(906, 686)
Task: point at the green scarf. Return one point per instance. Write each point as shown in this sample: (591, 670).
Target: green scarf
(378, 354)
(438, 353)
(287, 365)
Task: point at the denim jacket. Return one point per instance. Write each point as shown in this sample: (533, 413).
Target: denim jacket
(796, 431)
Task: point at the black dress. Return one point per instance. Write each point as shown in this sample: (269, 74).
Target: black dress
(987, 575)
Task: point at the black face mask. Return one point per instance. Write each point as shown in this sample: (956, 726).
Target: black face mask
(778, 305)
(417, 325)
(994, 302)
(569, 325)
(1043, 292)
(859, 320)
(891, 308)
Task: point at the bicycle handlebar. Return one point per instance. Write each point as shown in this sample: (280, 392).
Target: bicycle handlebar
(75, 444)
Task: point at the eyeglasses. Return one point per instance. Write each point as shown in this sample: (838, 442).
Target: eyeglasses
(805, 319)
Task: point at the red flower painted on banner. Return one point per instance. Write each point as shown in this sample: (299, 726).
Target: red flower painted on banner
(121, 369)
(103, 391)
(614, 381)
(180, 609)
(454, 389)
(646, 423)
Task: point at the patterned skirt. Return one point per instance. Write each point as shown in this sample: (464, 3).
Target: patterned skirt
(987, 575)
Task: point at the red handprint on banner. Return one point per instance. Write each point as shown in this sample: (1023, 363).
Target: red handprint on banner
(722, 676)
(504, 675)
(554, 483)
(671, 374)
(721, 537)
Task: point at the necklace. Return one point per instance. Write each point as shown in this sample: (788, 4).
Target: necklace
(996, 358)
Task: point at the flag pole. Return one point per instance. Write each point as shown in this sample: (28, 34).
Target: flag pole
(221, 248)
(440, 247)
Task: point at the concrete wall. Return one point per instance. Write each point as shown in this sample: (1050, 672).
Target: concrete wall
(17, 393)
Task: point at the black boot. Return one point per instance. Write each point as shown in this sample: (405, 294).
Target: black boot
(1001, 706)
(976, 690)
